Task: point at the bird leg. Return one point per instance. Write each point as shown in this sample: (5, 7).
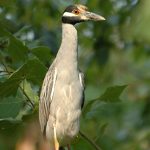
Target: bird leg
(56, 143)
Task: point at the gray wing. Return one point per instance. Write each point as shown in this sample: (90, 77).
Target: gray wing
(82, 82)
(46, 96)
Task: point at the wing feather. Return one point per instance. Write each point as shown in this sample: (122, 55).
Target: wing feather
(46, 96)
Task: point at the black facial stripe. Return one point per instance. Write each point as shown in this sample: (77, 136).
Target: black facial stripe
(71, 20)
(70, 8)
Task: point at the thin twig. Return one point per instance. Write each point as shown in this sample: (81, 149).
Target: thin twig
(28, 98)
(5, 67)
(89, 140)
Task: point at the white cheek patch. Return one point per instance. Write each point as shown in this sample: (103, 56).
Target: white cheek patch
(68, 14)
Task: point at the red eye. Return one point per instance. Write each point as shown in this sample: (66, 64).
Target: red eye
(76, 12)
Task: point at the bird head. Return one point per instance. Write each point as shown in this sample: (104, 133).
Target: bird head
(79, 13)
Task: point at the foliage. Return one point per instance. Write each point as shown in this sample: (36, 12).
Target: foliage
(113, 54)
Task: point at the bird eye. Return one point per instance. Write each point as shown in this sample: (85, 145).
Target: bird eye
(76, 12)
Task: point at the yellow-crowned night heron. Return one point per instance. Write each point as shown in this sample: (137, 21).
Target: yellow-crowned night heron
(62, 92)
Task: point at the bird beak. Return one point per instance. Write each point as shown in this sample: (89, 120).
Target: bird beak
(92, 16)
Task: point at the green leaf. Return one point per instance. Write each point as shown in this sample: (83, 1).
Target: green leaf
(10, 86)
(103, 128)
(10, 107)
(43, 53)
(16, 49)
(33, 70)
(1, 57)
(5, 3)
(26, 86)
(111, 95)
(23, 30)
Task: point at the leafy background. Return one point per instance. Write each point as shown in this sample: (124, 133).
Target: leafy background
(114, 55)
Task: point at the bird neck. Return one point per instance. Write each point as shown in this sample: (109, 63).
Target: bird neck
(68, 49)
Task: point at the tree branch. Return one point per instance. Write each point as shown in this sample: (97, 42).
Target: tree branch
(89, 140)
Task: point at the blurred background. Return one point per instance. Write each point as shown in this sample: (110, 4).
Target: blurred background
(113, 54)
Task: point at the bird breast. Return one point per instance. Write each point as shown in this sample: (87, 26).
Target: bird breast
(66, 104)
(69, 88)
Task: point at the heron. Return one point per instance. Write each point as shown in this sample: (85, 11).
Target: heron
(62, 92)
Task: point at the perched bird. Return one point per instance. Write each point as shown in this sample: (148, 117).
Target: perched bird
(62, 94)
